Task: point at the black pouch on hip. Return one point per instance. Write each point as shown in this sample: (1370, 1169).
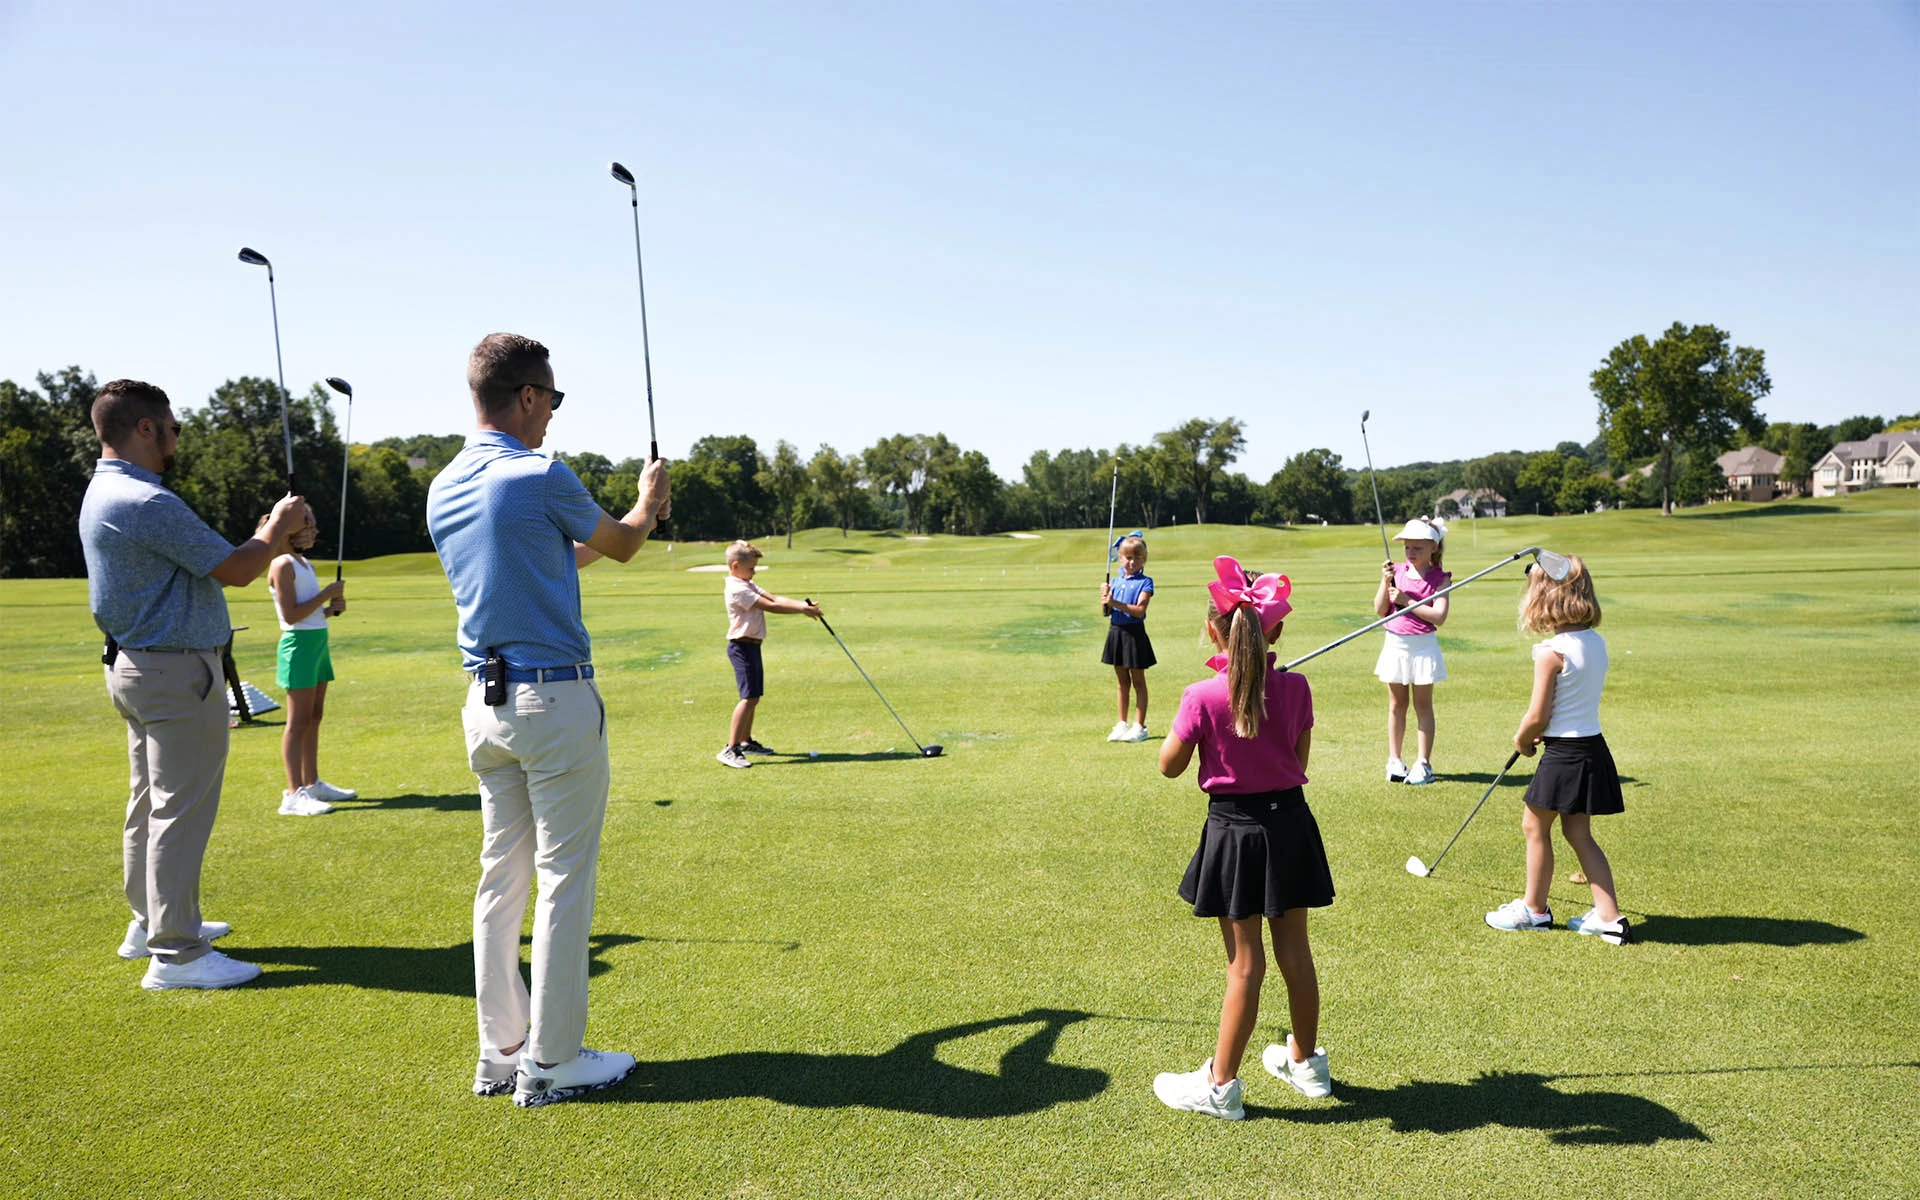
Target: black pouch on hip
(493, 673)
(110, 651)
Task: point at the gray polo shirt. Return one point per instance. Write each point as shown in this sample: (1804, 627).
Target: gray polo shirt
(149, 563)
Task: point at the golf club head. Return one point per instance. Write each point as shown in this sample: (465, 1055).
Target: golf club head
(340, 385)
(931, 751)
(1364, 414)
(1556, 566)
(621, 173)
(1416, 867)
(249, 255)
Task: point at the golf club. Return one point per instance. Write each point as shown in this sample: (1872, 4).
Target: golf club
(1555, 565)
(1374, 483)
(253, 257)
(646, 353)
(925, 751)
(1416, 867)
(346, 443)
(1113, 499)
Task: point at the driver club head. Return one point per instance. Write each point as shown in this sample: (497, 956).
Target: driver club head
(1557, 566)
(621, 173)
(1416, 867)
(340, 385)
(249, 255)
(931, 751)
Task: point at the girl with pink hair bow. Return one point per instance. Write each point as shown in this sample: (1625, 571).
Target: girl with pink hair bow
(1260, 853)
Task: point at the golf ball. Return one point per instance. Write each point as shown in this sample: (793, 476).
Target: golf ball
(813, 754)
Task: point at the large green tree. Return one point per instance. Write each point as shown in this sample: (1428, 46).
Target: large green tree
(1197, 451)
(47, 451)
(784, 477)
(1690, 390)
(1312, 485)
(836, 481)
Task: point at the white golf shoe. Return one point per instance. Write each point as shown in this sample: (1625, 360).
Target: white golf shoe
(1195, 1091)
(301, 802)
(1119, 731)
(1308, 1076)
(320, 789)
(211, 970)
(589, 1071)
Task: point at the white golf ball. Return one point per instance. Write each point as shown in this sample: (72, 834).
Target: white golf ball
(813, 754)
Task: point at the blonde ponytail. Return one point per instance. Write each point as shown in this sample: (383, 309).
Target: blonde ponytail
(1246, 668)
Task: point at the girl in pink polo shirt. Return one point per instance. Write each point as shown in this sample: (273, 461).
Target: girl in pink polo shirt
(1260, 853)
(1410, 662)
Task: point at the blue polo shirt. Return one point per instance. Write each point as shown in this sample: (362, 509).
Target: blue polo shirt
(150, 560)
(504, 521)
(1128, 589)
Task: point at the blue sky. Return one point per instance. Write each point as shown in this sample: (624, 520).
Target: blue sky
(1036, 225)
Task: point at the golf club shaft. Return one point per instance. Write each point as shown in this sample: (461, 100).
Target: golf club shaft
(1452, 587)
(871, 684)
(1511, 759)
(1374, 482)
(286, 424)
(1113, 500)
(646, 350)
(340, 531)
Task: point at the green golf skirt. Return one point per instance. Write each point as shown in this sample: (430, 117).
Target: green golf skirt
(304, 660)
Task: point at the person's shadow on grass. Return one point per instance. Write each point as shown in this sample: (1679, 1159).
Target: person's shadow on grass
(908, 1078)
(1516, 1100)
(1731, 931)
(451, 802)
(436, 970)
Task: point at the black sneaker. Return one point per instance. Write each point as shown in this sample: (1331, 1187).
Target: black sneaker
(732, 757)
(752, 747)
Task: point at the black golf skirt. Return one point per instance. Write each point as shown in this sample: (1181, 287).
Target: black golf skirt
(1128, 646)
(1260, 854)
(1576, 775)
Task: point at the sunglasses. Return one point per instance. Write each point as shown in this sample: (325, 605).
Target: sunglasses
(557, 395)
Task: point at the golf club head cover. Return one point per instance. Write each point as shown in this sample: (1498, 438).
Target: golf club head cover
(1266, 594)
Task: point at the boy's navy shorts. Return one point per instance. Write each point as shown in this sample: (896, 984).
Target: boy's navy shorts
(744, 654)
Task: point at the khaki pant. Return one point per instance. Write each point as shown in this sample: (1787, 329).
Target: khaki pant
(541, 762)
(176, 714)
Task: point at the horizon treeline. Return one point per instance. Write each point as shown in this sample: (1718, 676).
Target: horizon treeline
(230, 470)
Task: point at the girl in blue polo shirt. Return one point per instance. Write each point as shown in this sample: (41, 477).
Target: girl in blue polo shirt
(1129, 651)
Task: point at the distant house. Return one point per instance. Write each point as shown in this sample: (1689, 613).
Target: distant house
(1482, 502)
(1752, 473)
(1883, 460)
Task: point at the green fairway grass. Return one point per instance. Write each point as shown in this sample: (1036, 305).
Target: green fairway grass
(872, 974)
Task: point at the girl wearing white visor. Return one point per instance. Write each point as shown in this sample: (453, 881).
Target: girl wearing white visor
(1410, 663)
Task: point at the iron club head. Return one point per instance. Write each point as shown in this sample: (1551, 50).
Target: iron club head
(1556, 566)
(340, 385)
(931, 751)
(1364, 414)
(1416, 867)
(249, 255)
(621, 173)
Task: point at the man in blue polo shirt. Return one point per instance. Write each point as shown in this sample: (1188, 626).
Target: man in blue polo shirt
(512, 529)
(154, 574)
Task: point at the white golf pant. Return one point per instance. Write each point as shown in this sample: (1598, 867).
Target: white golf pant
(541, 762)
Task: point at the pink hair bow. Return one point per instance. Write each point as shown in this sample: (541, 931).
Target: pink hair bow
(1267, 595)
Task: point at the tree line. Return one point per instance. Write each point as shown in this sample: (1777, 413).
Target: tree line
(1676, 402)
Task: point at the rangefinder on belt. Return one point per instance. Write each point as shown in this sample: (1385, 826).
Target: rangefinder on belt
(493, 672)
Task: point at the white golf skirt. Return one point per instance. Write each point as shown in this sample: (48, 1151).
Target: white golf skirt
(1411, 658)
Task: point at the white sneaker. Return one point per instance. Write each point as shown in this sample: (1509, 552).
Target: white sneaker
(1514, 915)
(1136, 733)
(211, 970)
(732, 756)
(1420, 773)
(1119, 731)
(135, 945)
(1396, 771)
(1618, 933)
(495, 1074)
(320, 789)
(1195, 1091)
(590, 1071)
(1310, 1077)
(301, 802)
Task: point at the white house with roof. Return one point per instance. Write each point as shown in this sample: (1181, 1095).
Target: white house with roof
(1883, 460)
(1752, 473)
(1482, 502)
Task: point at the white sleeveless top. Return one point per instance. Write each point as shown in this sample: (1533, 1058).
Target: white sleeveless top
(306, 585)
(1576, 693)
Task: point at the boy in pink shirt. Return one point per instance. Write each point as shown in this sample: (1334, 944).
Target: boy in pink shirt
(747, 607)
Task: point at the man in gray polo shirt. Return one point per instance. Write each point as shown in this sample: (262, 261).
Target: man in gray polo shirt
(513, 528)
(154, 574)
